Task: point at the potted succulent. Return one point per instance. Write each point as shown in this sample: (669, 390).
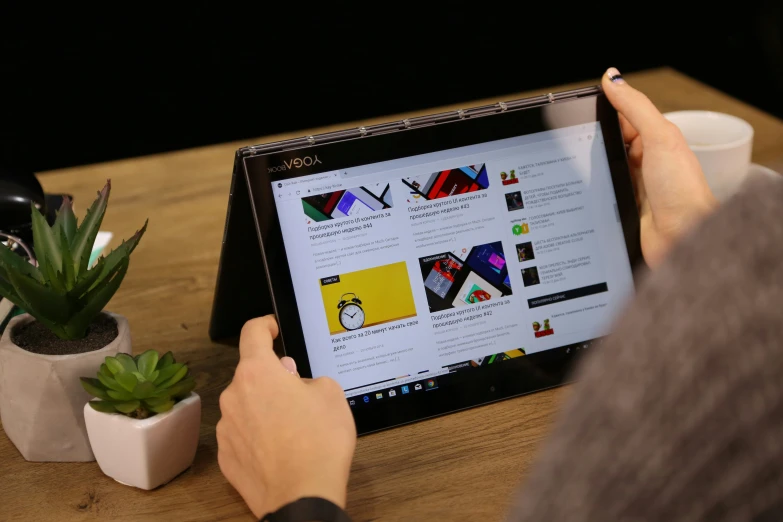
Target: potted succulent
(144, 427)
(64, 334)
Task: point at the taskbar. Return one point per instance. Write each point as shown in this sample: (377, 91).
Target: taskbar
(372, 394)
(390, 393)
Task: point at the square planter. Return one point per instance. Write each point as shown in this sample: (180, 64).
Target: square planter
(41, 398)
(149, 452)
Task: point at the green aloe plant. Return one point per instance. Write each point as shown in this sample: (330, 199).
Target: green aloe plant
(139, 387)
(63, 292)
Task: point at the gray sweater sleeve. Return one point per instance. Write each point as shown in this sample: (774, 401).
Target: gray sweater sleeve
(679, 415)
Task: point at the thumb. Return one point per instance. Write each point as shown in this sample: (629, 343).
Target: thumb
(257, 338)
(635, 106)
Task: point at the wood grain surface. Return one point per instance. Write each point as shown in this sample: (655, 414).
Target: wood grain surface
(462, 466)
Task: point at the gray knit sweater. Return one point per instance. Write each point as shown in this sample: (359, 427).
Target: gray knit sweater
(679, 415)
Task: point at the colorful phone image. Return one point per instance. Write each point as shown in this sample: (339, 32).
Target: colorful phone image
(465, 276)
(344, 203)
(320, 207)
(475, 290)
(490, 262)
(350, 205)
(450, 182)
(442, 275)
(497, 261)
(476, 295)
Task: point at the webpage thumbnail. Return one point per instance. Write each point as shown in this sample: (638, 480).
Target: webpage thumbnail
(525, 252)
(465, 276)
(448, 182)
(367, 297)
(487, 360)
(509, 179)
(544, 330)
(530, 276)
(350, 202)
(514, 201)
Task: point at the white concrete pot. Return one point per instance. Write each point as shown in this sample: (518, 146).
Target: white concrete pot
(41, 398)
(149, 452)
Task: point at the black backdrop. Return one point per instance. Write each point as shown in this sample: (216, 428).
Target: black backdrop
(83, 87)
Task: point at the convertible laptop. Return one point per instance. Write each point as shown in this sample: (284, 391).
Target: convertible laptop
(437, 263)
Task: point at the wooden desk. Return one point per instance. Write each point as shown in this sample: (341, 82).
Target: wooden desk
(458, 467)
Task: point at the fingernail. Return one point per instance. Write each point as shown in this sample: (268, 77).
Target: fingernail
(289, 364)
(614, 75)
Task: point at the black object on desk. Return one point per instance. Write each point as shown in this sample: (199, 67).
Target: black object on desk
(18, 190)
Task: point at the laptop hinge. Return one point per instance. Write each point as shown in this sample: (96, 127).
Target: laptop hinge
(419, 121)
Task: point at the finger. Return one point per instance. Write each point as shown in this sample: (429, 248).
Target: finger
(629, 132)
(271, 322)
(257, 336)
(637, 108)
(289, 364)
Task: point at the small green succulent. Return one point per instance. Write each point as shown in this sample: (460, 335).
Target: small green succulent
(140, 386)
(61, 291)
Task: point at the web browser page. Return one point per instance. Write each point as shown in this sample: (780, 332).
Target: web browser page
(412, 268)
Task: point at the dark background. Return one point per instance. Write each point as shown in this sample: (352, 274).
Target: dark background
(84, 87)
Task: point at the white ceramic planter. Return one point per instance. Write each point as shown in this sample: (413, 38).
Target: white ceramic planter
(145, 453)
(41, 398)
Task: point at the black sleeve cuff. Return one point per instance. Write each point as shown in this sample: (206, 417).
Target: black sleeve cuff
(308, 509)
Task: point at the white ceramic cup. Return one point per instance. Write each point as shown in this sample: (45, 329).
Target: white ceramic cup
(723, 145)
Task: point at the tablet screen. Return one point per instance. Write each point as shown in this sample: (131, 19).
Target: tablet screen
(412, 269)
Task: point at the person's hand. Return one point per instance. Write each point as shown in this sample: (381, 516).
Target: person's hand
(282, 438)
(671, 190)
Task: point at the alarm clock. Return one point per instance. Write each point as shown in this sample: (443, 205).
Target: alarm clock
(351, 313)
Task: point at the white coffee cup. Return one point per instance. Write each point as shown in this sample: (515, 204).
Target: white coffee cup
(723, 145)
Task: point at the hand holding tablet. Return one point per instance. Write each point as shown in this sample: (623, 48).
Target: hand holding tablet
(670, 185)
(265, 404)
